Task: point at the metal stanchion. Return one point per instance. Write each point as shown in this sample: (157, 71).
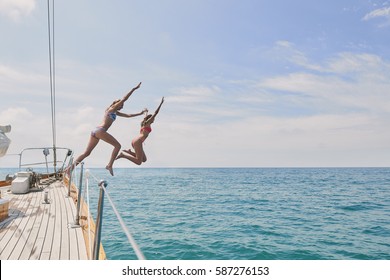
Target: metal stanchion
(76, 223)
(99, 220)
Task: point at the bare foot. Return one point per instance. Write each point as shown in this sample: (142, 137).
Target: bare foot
(121, 155)
(109, 168)
(127, 151)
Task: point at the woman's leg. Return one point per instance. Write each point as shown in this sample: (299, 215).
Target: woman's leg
(144, 159)
(105, 136)
(138, 156)
(93, 141)
(130, 152)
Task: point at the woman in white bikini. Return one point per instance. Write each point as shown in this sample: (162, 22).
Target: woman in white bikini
(100, 132)
(138, 156)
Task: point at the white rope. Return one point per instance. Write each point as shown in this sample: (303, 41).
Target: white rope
(94, 177)
(137, 250)
(130, 238)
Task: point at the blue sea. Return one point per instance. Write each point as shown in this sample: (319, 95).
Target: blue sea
(248, 213)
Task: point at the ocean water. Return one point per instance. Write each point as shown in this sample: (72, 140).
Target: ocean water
(248, 213)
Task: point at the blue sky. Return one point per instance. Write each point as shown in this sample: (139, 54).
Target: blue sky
(247, 83)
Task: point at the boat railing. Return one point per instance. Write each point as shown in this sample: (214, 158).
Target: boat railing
(50, 158)
(103, 193)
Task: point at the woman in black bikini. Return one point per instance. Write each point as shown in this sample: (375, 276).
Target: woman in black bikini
(138, 156)
(100, 132)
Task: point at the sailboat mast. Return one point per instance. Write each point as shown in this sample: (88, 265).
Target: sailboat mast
(50, 21)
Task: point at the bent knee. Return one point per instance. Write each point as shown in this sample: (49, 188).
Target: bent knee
(117, 147)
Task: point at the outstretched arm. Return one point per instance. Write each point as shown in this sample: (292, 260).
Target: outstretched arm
(130, 92)
(131, 115)
(157, 110)
(124, 98)
(159, 106)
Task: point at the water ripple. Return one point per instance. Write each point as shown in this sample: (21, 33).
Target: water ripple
(281, 213)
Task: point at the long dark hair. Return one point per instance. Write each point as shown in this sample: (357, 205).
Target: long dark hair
(145, 120)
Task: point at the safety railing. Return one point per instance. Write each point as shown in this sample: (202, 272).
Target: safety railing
(50, 159)
(103, 193)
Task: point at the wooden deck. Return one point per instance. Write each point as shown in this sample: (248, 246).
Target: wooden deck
(38, 231)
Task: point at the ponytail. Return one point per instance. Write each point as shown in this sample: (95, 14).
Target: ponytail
(145, 120)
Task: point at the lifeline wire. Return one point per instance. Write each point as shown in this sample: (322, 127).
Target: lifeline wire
(137, 250)
(130, 238)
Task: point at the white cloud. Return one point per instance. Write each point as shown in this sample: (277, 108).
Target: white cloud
(17, 9)
(320, 140)
(14, 113)
(382, 12)
(287, 50)
(194, 94)
(344, 82)
(329, 94)
(356, 62)
(14, 81)
(27, 128)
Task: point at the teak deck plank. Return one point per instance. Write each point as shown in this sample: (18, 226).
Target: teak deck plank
(38, 231)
